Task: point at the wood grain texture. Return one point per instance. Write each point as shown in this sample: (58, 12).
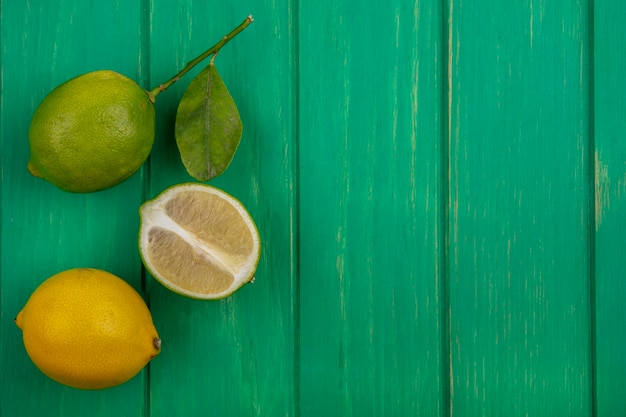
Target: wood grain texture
(520, 184)
(610, 205)
(440, 188)
(45, 230)
(370, 169)
(235, 356)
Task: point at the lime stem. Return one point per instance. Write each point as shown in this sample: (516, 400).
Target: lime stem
(211, 51)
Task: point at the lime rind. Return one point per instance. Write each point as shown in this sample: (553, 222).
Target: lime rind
(91, 132)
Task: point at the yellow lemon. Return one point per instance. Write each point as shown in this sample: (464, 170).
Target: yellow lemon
(91, 132)
(199, 241)
(88, 329)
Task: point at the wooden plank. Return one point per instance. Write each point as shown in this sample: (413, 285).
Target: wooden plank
(610, 169)
(232, 357)
(520, 183)
(46, 230)
(370, 242)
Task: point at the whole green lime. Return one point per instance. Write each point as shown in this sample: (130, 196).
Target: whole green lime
(91, 132)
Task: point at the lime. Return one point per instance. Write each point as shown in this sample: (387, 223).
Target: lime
(198, 241)
(91, 132)
(88, 329)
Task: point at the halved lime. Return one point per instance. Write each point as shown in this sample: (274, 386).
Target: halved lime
(198, 241)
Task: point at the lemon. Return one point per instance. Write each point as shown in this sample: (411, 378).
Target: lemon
(198, 241)
(91, 132)
(88, 329)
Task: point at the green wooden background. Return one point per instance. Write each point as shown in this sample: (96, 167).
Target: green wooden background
(440, 187)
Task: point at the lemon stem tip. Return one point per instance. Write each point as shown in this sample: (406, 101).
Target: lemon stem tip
(157, 343)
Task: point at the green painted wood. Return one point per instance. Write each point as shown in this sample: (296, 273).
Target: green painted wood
(45, 230)
(371, 241)
(234, 357)
(610, 205)
(439, 188)
(519, 208)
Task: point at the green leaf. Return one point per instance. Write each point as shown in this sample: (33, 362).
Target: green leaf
(208, 127)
